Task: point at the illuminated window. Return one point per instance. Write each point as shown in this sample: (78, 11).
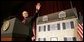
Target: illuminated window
(41, 39)
(53, 27)
(68, 26)
(53, 39)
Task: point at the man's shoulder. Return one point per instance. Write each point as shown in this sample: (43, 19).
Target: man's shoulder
(29, 18)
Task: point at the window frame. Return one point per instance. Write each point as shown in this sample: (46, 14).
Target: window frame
(72, 26)
(53, 37)
(64, 25)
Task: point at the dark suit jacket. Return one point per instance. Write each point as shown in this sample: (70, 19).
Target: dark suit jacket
(29, 23)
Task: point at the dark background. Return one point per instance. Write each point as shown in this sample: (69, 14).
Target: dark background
(14, 8)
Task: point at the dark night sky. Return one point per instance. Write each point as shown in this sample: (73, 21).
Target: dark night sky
(14, 8)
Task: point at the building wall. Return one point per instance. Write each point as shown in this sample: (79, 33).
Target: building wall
(57, 33)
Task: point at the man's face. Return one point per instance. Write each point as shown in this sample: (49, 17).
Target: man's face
(25, 14)
(38, 6)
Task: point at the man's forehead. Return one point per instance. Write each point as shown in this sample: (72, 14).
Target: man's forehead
(24, 12)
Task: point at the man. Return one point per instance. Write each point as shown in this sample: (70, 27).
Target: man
(29, 21)
(25, 16)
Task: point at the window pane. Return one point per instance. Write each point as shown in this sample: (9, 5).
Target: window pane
(72, 24)
(44, 39)
(69, 39)
(39, 28)
(74, 38)
(65, 39)
(53, 27)
(38, 39)
(58, 25)
(48, 27)
(63, 26)
(68, 25)
(44, 28)
(53, 39)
